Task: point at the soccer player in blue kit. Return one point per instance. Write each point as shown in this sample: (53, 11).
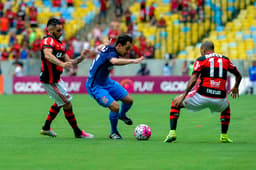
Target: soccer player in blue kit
(107, 91)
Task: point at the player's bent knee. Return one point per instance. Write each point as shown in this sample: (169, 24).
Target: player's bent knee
(128, 100)
(114, 107)
(67, 105)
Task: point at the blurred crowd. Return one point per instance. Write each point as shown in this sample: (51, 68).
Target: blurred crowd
(18, 23)
(22, 23)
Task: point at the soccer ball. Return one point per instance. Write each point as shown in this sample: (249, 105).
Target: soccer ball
(142, 132)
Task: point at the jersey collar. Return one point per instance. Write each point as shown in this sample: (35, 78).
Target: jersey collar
(50, 35)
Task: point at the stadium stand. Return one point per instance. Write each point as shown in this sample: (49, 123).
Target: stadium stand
(75, 16)
(188, 25)
(173, 29)
(236, 39)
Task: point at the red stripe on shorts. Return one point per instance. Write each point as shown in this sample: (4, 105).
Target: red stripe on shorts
(58, 92)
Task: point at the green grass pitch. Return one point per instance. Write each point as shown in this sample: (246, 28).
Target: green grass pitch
(197, 146)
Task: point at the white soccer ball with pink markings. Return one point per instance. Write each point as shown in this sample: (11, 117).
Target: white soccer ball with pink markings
(142, 132)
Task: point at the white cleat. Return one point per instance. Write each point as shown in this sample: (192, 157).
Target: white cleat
(48, 132)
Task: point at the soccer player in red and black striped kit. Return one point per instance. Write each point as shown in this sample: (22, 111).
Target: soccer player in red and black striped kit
(54, 59)
(209, 81)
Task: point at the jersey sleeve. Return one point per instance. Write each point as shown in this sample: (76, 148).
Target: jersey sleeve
(48, 43)
(231, 66)
(111, 55)
(197, 67)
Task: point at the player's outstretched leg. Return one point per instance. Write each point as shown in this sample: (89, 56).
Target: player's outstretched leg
(68, 111)
(53, 112)
(225, 119)
(126, 105)
(174, 115)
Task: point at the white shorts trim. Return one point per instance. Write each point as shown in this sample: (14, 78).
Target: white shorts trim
(198, 102)
(58, 92)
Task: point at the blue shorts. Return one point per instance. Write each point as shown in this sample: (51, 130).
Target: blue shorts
(105, 95)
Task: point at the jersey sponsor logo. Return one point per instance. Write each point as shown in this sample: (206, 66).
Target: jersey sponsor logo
(215, 84)
(59, 55)
(215, 92)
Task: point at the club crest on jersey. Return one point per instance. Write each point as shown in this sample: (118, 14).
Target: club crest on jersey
(104, 99)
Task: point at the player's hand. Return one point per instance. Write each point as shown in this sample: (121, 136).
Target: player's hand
(179, 100)
(138, 60)
(108, 42)
(234, 92)
(67, 65)
(85, 54)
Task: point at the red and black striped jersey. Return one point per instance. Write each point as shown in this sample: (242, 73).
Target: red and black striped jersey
(50, 73)
(213, 70)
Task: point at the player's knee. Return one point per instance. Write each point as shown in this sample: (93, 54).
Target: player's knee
(174, 105)
(67, 105)
(227, 110)
(114, 107)
(128, 100)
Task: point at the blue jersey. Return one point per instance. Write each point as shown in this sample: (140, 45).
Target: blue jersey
(252, 73)
(101, 67)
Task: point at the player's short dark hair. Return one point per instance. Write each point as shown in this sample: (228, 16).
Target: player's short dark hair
(208, 45)
(123, 39)
(53, 22)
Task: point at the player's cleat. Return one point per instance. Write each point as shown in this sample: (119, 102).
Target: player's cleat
(85, 135)
(171, 136)
(126, 120)
(115, 136)
(48, 132)
(225, 139)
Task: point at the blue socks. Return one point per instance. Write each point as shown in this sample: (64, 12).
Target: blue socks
(113, 117)
(124, 108)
